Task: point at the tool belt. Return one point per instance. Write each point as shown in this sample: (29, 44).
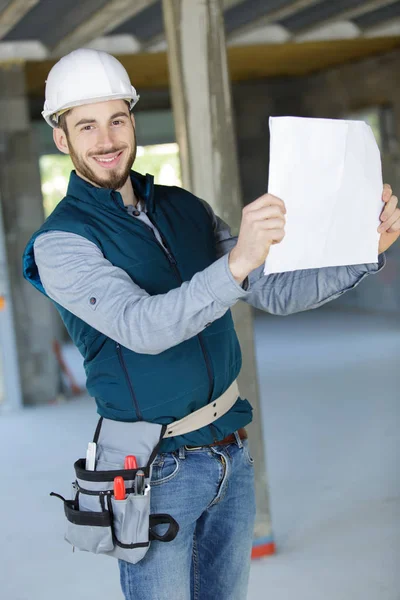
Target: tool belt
(96, 521)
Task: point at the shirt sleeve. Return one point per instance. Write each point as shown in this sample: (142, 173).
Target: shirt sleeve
(75, 274)
(295, 291)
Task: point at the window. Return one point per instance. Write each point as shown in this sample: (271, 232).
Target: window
(381, 121)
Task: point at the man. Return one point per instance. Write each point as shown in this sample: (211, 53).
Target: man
(144, 277)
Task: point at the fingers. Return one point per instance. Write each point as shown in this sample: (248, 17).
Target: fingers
(263, 201)
(395, 228)
(267, 212)
(387, 192)
(389, 209)
(390, 216)
(391, 224)
(272, 224)
(277, 235)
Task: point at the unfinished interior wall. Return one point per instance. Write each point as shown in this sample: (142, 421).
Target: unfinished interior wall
(35, 320)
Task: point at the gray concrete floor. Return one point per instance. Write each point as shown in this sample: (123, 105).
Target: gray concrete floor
(330, 395)
(331, 414)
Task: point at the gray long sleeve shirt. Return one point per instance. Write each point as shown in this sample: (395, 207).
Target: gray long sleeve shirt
(73, 270)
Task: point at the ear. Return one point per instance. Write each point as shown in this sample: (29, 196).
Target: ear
(133, 121)
(60, 140)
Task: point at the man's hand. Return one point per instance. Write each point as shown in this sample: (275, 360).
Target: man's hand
(262, 225)
(390, 217)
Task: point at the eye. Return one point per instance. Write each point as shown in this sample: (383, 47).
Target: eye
(87, 128)
(117, 122)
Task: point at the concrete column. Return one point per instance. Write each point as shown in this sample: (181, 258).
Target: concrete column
(10, 381)
(34, 318)
(201, 99)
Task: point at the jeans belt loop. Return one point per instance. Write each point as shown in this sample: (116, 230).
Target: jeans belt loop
(238, 440)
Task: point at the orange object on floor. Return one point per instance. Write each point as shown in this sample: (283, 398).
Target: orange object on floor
(263, 550)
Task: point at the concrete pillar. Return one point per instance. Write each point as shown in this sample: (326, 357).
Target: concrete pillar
(201, 99)
(10, 382)
(35, 320)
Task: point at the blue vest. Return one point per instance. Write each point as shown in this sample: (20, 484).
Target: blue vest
(126, 385)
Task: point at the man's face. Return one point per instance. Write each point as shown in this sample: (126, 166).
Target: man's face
(101, 141)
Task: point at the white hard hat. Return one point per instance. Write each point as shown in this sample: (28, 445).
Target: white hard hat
(84, 77)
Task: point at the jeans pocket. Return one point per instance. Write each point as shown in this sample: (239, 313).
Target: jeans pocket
(165, 468)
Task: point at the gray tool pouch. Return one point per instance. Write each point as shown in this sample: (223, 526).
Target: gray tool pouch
(96, 521)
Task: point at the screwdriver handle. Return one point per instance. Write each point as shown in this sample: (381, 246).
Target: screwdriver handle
(119, 488)
(130, 462)
(139, 483)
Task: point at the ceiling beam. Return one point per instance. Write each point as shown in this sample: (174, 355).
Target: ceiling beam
(22, 51)
(273, 16)
(121, 43)
(347, 14)
(366, 7)
(109, 17)
(227, 4)
(388, 27)
(13, 13)
(299, 5)
(150, 71)
(158, 42)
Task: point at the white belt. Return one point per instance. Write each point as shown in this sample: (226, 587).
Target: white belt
(206, 415)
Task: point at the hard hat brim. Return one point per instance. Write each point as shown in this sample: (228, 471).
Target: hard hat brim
(49, 115)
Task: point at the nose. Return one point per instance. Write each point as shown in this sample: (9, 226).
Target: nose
(105, 139)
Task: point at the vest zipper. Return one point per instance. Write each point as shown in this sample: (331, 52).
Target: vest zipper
(128, 380)
(173, 262)
(171, 259)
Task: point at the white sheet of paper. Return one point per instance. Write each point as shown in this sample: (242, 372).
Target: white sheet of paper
(328, 172)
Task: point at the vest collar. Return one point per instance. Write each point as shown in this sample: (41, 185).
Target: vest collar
(81, 189)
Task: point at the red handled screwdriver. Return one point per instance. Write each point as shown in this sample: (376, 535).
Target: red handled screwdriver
(130, 462)
(119, 488)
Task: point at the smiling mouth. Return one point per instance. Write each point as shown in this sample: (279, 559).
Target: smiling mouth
(108, 160)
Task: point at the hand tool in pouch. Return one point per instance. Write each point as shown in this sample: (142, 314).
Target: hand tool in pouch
(91, 456)
(119, 488)
(139, 483)
(130, 462)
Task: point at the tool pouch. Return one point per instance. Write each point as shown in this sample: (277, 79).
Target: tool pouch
(96, 521)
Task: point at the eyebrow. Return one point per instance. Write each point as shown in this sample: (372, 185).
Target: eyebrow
(90, 121)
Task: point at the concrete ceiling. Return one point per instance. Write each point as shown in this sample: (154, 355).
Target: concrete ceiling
(38, 29)
(245, 62)
(284, 36)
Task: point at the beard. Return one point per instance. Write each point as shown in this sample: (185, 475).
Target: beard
(114, 179)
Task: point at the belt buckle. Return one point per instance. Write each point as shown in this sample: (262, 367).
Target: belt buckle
(189, 448)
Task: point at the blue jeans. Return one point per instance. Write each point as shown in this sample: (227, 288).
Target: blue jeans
(210, 493)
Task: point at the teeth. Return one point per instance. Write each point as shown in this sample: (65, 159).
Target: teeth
(107, 159)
